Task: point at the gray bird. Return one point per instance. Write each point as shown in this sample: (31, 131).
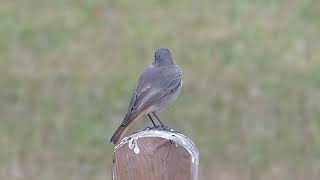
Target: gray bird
(158, 87)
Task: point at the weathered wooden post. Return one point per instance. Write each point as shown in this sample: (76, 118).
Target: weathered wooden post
(155, 154)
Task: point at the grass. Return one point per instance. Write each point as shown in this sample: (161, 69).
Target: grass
(251, 99)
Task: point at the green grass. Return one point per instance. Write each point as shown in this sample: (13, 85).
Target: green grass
(251, 96)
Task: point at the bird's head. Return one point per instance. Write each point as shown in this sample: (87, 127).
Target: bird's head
(163, 56)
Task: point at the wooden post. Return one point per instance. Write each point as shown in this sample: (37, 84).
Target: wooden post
(155, 154)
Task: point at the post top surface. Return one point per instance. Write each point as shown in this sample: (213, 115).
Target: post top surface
(169, 134)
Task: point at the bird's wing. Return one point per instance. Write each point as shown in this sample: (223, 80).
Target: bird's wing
(162, 93)
(135, 107)
(152, 88)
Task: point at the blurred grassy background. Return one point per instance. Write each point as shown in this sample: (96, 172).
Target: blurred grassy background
(251, 99)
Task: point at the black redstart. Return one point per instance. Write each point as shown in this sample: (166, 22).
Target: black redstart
(158, 87)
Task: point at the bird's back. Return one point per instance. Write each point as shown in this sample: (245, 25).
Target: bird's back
(164, 83)
(159, 77)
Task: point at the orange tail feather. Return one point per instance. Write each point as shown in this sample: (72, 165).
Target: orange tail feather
(125, 126)
(118, 134)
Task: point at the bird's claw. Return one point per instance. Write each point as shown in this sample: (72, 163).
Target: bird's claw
(163, 128)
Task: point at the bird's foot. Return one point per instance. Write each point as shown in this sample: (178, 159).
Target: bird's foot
(162, 128)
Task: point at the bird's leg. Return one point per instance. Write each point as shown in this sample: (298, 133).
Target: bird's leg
(154, 124)
(158, 119)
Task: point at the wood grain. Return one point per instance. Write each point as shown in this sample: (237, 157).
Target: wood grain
(154, 155)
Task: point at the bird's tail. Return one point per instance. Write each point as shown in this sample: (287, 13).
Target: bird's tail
(127, 122)
(119, 133)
